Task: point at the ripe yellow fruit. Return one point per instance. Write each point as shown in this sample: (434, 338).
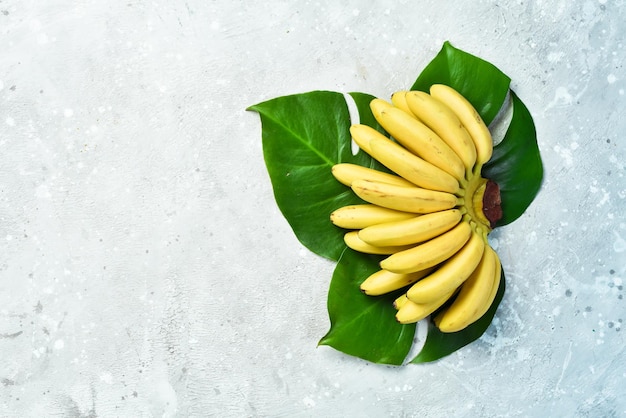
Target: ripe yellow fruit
(431, 216)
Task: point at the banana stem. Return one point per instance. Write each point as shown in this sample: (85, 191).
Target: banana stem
(464, 181)
(473, 199)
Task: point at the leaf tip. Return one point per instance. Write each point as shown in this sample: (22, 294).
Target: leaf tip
(323, 341)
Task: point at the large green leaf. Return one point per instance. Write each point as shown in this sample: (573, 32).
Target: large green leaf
(479, 81)
(516, 164)
(304, 135)
(361, 325)
(439, 344)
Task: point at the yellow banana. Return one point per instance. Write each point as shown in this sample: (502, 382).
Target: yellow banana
(411, 312)
(362, 216)
(470, 119)
(441, 119)
(429, 253)
(472, 297)
(417, 138)
(398, 99)
(384, 281)
(451, 274)
(494, 289)
(353, 241)
(411, 167)
(346, 173)
(413, 230)
(479, 185)
(406, 199)
(362, 134)
(400, 301)
(401, 161)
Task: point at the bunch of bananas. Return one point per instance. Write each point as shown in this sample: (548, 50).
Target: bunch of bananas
(432, 213)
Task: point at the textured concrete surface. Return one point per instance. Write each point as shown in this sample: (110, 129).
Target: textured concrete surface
(145, 270)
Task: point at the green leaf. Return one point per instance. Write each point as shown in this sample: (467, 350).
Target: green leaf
(439, 344)
(361, 325)
(484, 85)
(304, 135)
(516, 164)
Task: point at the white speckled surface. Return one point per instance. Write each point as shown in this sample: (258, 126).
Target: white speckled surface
(145, 270)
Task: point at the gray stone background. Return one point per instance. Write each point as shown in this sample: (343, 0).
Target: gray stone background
(145, 270)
